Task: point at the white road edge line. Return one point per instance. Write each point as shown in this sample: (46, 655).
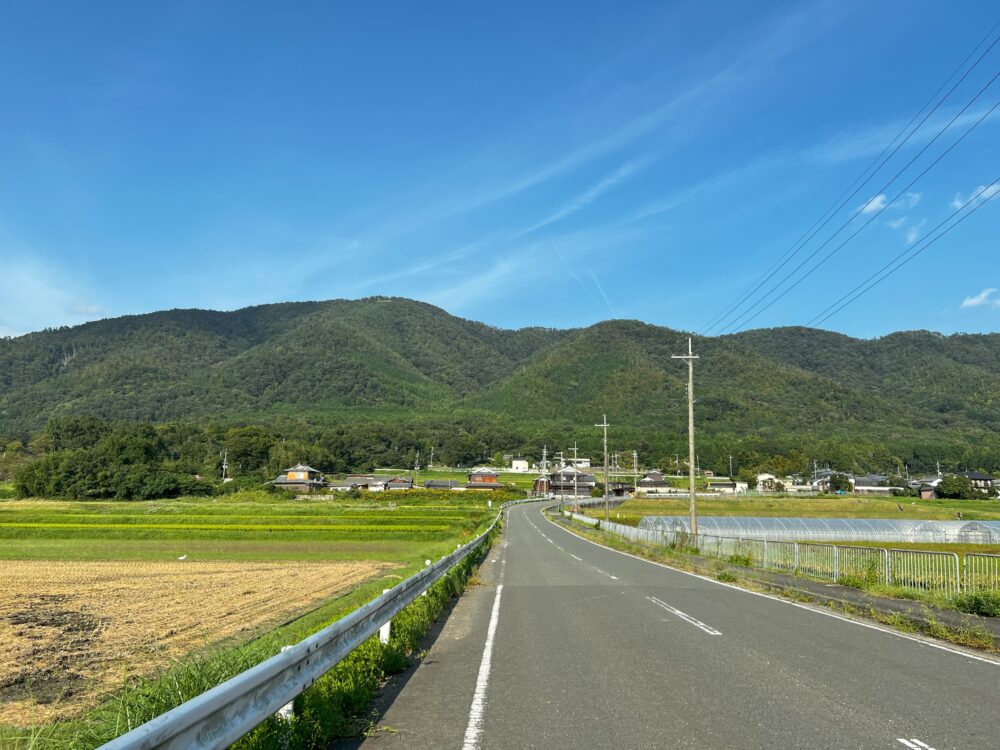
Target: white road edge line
(834, 615)
(476, 712)
(687, 618)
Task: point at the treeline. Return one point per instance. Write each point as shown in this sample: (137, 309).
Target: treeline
(90, 458)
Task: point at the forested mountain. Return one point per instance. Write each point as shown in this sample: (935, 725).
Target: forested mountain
(914, 396)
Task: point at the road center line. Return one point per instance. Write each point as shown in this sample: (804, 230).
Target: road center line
(815, 610)
(575, 557)
(687, 618)
(915, 744)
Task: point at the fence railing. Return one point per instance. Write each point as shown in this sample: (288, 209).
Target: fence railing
(915, 569)
(220, 716)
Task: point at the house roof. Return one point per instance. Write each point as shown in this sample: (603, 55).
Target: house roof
(441, 483)
(302, 467)
(978, 475)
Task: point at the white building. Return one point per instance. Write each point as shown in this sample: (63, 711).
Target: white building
(519, 464)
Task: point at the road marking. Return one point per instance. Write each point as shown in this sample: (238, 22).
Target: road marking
(576, 557)
(687, 618)
(923, 641)
(912, 743)
(475, 727)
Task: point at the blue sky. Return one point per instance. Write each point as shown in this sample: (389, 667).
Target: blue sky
(520, 164)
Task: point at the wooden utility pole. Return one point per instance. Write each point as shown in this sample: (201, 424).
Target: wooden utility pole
(635, 472)
(690, 357)
(605, 425)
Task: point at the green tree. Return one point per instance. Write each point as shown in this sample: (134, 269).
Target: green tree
(840, 483)
(955, 486)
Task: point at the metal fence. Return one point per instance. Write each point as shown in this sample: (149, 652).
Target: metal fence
(982, 572)
(220, 716)
(915, 569)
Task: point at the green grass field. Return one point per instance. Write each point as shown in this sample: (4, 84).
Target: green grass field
(404, 527)
(842, 506)
(521, 480)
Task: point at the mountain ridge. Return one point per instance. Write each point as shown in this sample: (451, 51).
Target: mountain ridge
(395, 359)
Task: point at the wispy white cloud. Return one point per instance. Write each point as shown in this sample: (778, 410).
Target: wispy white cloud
(603, 295)
(585, 198)
(38, 294)
(897, 223)
(869, 142)
(912, 235)
(985, 297)
(723, 72)
(875, 204)
(981, 193)
(909, 200)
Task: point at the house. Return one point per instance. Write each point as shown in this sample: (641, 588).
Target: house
(871, 484)
(579, 463)
(927, 492)
(519, 464)
(571, 481)
(483, 476)
(300, 478)
(399, 483)
(980, 482)
(727, 487)
(542, 485)
(483, 480)
(652, 483)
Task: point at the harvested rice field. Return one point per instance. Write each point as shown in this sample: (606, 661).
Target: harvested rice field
(97, 596)
(72, 631)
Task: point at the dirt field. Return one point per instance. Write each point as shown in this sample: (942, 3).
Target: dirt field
(70, 631)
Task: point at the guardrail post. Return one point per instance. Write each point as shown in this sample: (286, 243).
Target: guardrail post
(383, 632)
(795, 548)
(888, 567)
(287, 712)
(836, 562)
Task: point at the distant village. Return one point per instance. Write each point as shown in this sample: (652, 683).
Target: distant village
(576, 478)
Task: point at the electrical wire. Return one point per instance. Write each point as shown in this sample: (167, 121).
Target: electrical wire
(913, 252)
(842, 201)
(747, 317)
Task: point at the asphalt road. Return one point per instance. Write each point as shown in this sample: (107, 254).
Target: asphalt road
(571, 645)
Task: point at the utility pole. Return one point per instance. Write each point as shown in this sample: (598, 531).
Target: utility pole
(730, 465)
(576, 476)
(605, 425)
(635, 472)
(431, 462)
(545, 459)
(690, 357)
(416, 469)
(225, 463)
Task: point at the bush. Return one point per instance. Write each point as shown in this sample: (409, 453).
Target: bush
(986, 603)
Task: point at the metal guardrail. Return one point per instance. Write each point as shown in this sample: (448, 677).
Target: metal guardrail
(220, 716)
(916, 569)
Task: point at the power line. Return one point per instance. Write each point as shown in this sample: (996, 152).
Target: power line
(841, 201)
(848, 298)
(743, 320)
